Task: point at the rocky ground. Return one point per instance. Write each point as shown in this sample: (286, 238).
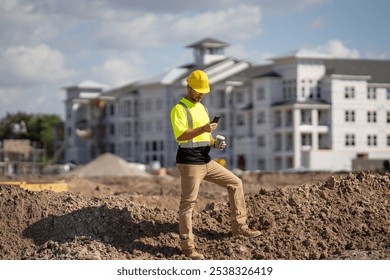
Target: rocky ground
(301, 216)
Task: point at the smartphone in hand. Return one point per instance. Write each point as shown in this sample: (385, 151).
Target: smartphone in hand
(215, 119)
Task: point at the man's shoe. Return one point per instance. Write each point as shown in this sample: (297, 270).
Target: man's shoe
(192, 254)
(247, 232)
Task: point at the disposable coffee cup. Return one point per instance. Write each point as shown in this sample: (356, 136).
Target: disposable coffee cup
(219, 139)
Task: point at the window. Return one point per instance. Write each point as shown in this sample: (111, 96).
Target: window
(261, 141)
(154, 146)
(277, 119)
(239, 96)
(306, 117)
(350, 140)
(322, 141)
(260, 94)
(371, 140)
(159, 104)
(311, 91)
(261, 164)
(112, 129)
(388, 94)
(306, 139)
(294, 88)
(260, 117)
(221, 99)
(319, 89)
(350, 116)
(289, 118)
(323, 117)
(112, 109)
(289, 92)
(278, 142)
(371, 93)
(159, 125)
(290, 142)
(388, 117)
(290, 162)
(349, 92)
(371, 116)
(148, 105)
(240, 120)
(147, 126)
(388, 140)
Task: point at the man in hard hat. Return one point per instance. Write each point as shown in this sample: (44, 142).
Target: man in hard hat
(192, 129)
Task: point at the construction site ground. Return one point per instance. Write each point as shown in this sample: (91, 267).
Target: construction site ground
(301, 215)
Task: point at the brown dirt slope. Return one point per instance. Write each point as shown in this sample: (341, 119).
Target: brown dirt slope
(337, 218)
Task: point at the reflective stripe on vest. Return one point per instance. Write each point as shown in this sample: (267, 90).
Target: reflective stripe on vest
(191, 143)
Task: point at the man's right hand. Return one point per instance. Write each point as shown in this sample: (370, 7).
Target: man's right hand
(193, 132)
(208, 127)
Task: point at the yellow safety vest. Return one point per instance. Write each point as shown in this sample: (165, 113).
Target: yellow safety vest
(186, 114)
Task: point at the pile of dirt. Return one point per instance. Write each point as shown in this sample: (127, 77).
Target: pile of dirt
(337, 218)
(109, 165)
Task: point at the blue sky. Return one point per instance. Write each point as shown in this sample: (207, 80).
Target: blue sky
(48, 44)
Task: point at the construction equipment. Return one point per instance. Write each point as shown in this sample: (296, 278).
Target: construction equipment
(55, 187)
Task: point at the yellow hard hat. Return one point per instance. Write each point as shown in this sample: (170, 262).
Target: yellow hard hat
(199, 81)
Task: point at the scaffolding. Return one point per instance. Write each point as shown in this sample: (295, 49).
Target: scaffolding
(20, 156)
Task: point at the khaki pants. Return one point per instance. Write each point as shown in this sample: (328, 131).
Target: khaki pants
(191, 177)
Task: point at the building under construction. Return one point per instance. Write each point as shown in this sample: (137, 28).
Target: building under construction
(20, 156)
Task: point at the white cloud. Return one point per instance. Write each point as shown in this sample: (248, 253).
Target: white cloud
(254, 56)
(146, 31)
(29, 65)
(119, 70)
(238, 23)
(337, 48)
(152, 30)
(19, 24)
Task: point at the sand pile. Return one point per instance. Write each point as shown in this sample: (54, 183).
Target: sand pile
(338, 218)
(109, 165)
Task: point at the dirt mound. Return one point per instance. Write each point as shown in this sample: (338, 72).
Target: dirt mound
(109, 165)
(338, 218)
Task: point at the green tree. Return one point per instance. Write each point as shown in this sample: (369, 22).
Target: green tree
(38, 128)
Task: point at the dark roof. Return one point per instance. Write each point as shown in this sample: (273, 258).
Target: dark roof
(269, 74)
(379, 70)
(208, 43)
(252, 71)
(294, 101)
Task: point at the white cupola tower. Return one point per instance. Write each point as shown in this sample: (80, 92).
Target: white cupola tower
(208, 50)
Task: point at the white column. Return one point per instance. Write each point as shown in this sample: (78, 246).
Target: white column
(314, 118)
(297, 138)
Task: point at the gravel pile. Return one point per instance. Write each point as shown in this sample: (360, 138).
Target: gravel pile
(109, 165)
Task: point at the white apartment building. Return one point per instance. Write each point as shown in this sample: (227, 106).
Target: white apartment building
(303, 110)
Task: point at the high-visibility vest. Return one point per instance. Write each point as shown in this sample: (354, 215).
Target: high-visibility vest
(186, 114)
